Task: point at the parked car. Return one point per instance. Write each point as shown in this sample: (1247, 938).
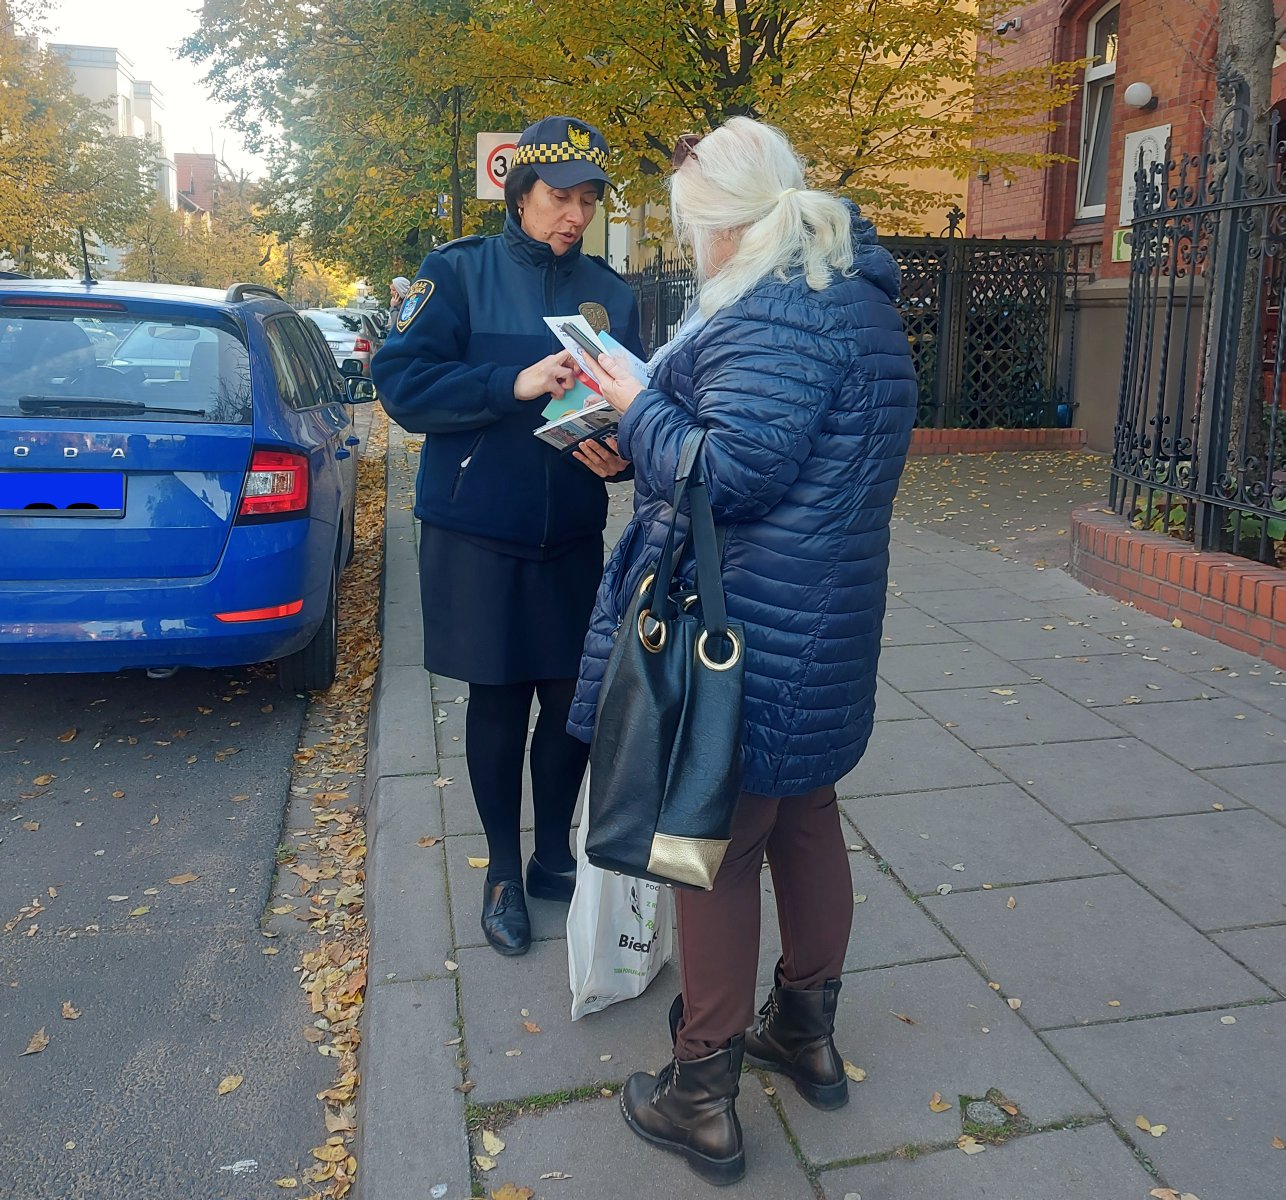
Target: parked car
(350, 334)
(187, 499)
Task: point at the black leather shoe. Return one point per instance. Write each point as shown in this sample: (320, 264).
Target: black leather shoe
(504, 917)
(795, 1034)
(549, 885)
(690, 1109)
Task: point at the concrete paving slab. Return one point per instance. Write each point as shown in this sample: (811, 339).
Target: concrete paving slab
(548, 919)
(1264, 786)
(1221, 870)
(565, 1055)
(1107, 780)
(410, 1119)
(1219, 1089)
(1037, 583)
(1263, 950)
(401, 740)
(911, 627)
(979, 604)
(1033, 715)
(891, 705)
(1205, 733)
(945, 1051)
(409, 915)
(914, 756)
(1107, 679)
(620, 1162)
(932, 577)
(996, 833)
(1066, 949)
(888, 926)
(955, 665)
(1028, 638)
(449, 714)
(1264, 687)
(1072, 1164)
(460, 812)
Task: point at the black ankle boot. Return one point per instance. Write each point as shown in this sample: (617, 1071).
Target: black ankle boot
(795, 1034)
(543, 884)
(690, 1109)
(504, 917)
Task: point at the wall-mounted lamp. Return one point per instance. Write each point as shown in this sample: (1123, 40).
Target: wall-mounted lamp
(1139, 95)
(983, 173)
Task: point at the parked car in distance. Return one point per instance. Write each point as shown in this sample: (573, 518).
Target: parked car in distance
(349, 333)
(184, 499)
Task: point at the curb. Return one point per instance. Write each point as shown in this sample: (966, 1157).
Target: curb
(417, 1140)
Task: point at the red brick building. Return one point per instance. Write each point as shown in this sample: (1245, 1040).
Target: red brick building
(198, 182)
(1162, 47)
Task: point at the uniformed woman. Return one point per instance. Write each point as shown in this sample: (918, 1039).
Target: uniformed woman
(511, 545)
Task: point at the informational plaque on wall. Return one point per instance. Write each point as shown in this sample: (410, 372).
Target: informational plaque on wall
(1152, 143)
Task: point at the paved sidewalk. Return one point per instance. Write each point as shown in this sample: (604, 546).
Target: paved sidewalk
(1068, 846)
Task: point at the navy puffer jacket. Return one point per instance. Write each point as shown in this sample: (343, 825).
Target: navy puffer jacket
(808, 399)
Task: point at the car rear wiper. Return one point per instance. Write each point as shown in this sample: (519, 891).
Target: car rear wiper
(42, 404)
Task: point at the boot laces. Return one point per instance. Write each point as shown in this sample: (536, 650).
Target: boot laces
(667, 1080)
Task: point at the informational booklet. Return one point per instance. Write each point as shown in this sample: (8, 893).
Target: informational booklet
(582, 412)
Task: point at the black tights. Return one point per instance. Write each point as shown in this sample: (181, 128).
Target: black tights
(495, 735)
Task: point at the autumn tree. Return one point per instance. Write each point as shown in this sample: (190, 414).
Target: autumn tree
(61, 165)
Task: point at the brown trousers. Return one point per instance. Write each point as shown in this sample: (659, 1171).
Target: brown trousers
(719, 929)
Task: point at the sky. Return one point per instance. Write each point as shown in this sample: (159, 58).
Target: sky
(148, 32)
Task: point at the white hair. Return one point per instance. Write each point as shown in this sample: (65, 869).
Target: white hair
(745, 180)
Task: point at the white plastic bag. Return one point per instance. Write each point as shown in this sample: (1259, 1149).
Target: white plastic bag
(620, 933)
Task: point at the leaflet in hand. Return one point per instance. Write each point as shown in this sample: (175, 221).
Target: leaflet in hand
(568, 431)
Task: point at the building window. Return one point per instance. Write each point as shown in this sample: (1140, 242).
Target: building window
(1096, 117)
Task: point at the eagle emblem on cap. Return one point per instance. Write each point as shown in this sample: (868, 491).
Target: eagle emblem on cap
(578, 137)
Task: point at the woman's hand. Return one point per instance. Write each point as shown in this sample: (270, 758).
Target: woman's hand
(604, 462)
(618, 385)
(552, 375)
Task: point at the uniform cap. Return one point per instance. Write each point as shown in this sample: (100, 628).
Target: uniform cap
(565, 152)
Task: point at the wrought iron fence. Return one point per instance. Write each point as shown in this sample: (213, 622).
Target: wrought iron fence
(990, 322)
(1199, 448)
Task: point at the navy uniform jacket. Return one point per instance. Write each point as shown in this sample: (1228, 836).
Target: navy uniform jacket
(473, 323)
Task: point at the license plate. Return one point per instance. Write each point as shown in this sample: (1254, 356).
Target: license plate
(62, 494)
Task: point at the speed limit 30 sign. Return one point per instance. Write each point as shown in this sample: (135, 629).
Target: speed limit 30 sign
(495, 156)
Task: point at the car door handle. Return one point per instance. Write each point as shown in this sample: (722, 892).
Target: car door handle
(353, 441)
(341, 453)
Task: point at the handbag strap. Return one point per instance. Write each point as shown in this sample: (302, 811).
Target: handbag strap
(659, 601)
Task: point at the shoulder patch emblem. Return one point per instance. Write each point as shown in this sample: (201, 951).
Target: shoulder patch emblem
(414, 303)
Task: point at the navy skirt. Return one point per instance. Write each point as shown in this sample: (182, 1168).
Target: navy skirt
(495, 618)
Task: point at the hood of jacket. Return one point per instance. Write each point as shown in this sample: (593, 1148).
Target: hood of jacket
(870, 260)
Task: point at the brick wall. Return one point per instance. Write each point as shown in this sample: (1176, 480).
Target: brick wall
(1232, 600)
(1168, 44)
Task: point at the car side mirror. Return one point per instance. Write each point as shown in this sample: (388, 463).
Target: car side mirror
(360, 389)
(351, 366)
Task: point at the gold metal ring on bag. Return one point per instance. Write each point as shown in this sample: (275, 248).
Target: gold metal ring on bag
(657, 646)
(707, 661)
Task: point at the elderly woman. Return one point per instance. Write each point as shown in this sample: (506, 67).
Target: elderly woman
(511, 541)
(796, 364)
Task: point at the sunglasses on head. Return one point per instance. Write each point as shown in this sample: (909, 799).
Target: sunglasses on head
(684, 149)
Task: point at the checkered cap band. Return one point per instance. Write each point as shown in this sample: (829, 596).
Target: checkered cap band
(559, 152)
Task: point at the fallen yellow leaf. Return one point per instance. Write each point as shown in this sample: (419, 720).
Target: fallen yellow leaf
(1158, 1130)
(937, 1104)
(70, 1013)
(1278, 1144)
(68, 735)
(230, 1083)
(288, 1182)
(478, 863)
(856, 1074)
(1015, 1003)
(141, 911)
(531, 1026)
(483, 1163)
(1011, 903)
(331, 1152)
(511, 1191)
(428, 841)
(187, 877)
(1141, 1122)
(39, 1040)
(970, 1145)
(44, 780)
(904, 1018)
(491, 1143)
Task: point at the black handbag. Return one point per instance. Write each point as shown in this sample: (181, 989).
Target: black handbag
(665, 761)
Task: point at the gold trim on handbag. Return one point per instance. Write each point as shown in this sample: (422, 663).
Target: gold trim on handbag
(694, 861)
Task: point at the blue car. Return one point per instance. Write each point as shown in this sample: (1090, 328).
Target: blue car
(177, 480)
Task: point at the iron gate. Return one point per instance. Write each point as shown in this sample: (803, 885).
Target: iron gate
(990, 324)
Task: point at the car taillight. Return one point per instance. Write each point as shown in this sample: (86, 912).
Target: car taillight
(276, 485)
(362, 346)
(261, 614)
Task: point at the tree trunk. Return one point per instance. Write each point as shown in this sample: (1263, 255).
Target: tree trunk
(1246, 45)
(457, 184)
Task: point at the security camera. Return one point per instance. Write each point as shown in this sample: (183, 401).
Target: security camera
(1010, 25)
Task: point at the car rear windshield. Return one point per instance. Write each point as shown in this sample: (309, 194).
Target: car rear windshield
(336, 322)
(116, 365)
